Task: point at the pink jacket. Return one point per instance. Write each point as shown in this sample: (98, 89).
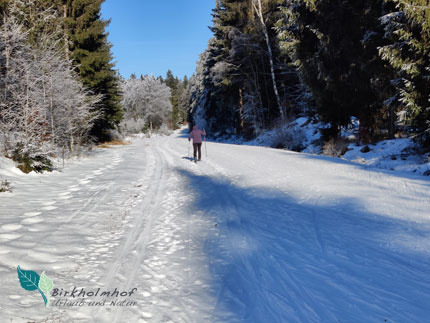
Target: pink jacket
(196, 135)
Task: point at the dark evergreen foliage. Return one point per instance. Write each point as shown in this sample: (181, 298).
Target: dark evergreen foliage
(90, 51)
(407, 28)
(177, 88)
(365, 59)
(334, 45)
(236, 73)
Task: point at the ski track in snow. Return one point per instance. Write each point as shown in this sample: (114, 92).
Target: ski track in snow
(250, 234)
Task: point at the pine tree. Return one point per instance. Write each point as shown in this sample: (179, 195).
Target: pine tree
(408, 28)
(90, 51)
(247, 83)
(176, 90)
(334, 47)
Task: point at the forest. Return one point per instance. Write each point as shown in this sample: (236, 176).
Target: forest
(268, 63)
(303, 196)
(272, 61)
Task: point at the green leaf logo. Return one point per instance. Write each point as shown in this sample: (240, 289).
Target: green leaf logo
(46, 285)
(30, 280)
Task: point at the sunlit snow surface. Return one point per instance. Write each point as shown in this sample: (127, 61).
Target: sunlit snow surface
(250, 234)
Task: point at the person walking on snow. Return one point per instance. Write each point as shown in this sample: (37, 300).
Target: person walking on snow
(196, 134)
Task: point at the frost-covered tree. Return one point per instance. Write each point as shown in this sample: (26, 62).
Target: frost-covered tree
(146, 103)
(408, 29)
(22, 111)
(80, 32)
(71, 112)
(43, 105)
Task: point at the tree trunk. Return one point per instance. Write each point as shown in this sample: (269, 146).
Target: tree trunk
(150, 128)
(72, 139)
(65, 35)
(7, 53)
(259, 12)
(26, 108)
(51, 110)
(260, 99)
(242, 122)
(7, 45)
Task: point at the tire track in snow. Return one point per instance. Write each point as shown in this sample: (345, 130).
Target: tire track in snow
(154, 175)
(192, 294)
(332, 270)
(298, 298)
(131, 259)
(166, 228)
(150, 208)
(232, 206)
(226, 200)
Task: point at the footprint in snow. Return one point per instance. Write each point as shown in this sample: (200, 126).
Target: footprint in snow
(155, 289)
(11, 227)
(49, 203)
(32, 220)
(9, 236)
(159, 276)
(14, 297)
(49, 208)
(146, 315)
(65, 197)
(29, 214)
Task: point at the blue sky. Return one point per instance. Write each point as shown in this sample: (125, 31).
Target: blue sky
(152, 36)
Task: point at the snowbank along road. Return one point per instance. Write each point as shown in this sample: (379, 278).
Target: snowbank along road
(249, 234)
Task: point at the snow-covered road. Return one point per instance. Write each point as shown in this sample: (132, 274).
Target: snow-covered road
(250, 234)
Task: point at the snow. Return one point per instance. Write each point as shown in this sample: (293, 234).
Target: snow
(400, 154)
(8, 168)
(310, 131)
(250, 234)
(390, 154)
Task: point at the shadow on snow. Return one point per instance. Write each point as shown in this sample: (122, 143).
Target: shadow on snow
(276, 259)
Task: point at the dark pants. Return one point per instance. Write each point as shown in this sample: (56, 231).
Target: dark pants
(197, 148)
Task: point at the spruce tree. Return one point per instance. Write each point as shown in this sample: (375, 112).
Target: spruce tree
(240, 73)
(90, 51)
(334, 47)
(408, 28)
(174, 85)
